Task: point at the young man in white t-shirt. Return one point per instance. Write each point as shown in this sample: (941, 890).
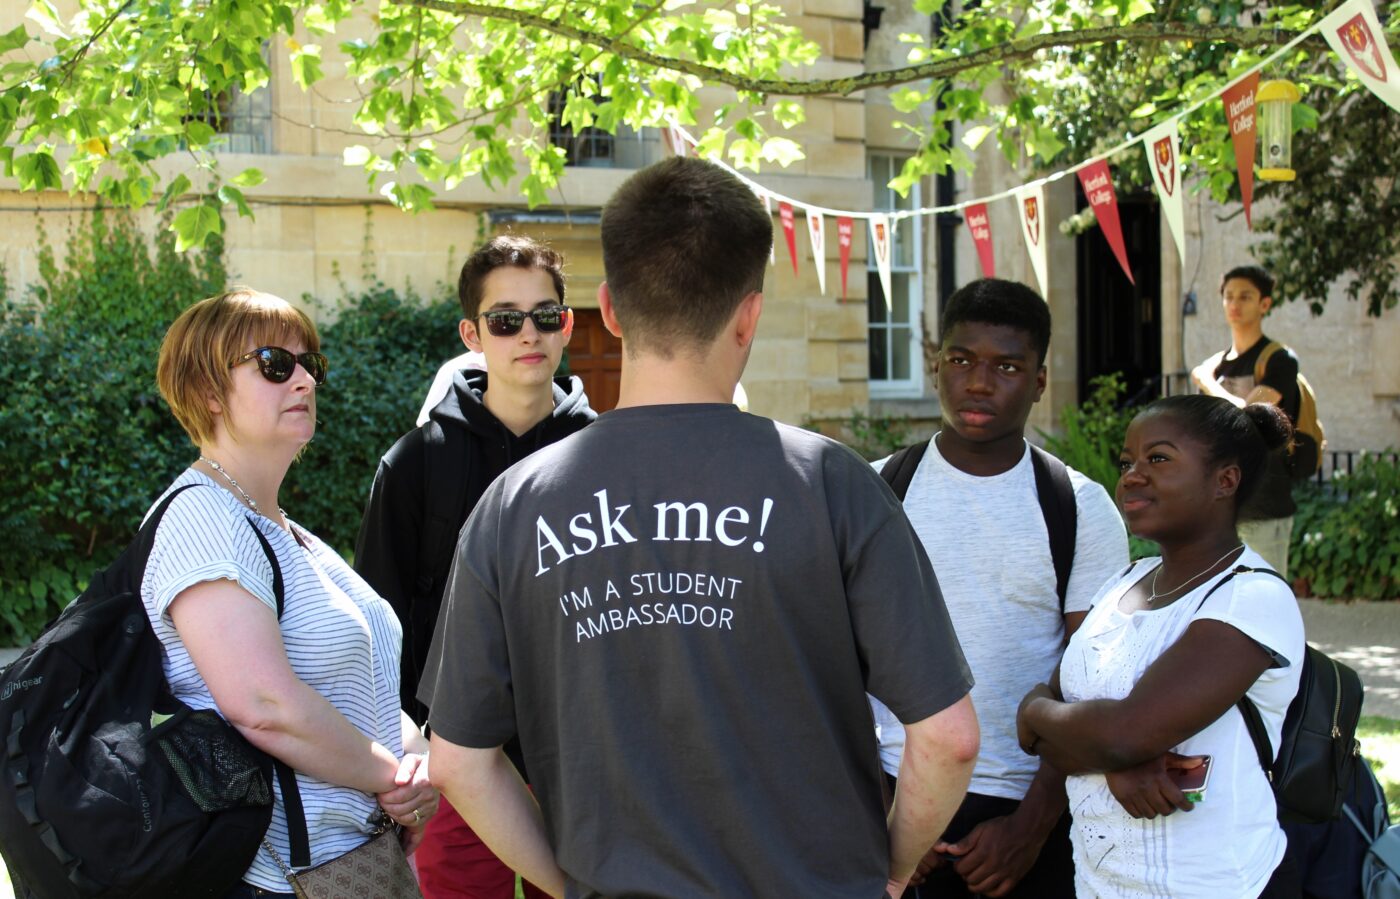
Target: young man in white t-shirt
(974, 504)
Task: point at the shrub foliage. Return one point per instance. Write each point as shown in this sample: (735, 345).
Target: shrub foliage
(86, 443)
(1346, 534)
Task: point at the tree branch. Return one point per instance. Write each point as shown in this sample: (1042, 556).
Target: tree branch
(1147, 32)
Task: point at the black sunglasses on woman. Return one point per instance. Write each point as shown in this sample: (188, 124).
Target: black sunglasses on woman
(277, 364)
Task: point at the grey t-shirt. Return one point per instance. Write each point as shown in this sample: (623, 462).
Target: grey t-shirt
(679, 610)
(1003, 602)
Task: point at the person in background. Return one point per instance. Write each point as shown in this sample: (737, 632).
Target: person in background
(319, 688)
(976, 487)
(430, 480)
(1142, 706)
(680, 609)
(1266, 524)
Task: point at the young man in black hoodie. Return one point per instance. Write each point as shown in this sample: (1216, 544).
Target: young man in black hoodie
(512, 294)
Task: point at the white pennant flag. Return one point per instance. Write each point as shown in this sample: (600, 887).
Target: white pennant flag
(880, 241)
(1356, 36)
(1163, 145)
(1030, 208)
(817, 233)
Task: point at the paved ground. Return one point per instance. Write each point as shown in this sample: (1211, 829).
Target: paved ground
(1364, 635)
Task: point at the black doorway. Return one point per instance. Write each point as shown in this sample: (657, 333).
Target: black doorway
(1118, 324)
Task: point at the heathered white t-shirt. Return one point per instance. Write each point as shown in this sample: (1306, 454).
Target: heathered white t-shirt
(987, 540)
(1230, 843)
(342, 640)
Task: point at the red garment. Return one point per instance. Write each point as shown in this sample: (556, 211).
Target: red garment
(453, 863)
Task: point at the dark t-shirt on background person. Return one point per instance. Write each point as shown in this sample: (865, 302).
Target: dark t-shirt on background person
(1274, 496)
(683, 639)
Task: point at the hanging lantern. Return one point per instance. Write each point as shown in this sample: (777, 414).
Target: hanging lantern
(1274, 105)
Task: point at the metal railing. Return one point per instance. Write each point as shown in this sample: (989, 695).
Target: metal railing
(1334, 461)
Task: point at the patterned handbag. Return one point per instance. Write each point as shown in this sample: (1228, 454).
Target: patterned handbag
(377, 869)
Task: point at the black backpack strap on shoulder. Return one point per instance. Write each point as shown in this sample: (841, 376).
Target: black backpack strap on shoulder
(1238, 569)
(145, 540)
(297, 836)
(1057, 504)
(899, 468)
(1253, 722)
(444, 503)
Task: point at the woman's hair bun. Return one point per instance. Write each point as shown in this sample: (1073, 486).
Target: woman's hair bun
(1271, 422)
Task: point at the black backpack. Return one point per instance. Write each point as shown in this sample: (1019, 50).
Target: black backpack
(111, 786)
(1317, 747)
(1052, 487)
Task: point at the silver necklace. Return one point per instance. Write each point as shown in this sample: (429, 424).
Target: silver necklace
(1154, 595)
(252, 503)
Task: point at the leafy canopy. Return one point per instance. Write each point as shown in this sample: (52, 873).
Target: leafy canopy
(456, 89)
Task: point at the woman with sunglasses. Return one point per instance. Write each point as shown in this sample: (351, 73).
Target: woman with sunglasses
(1166, 791)
(318, 689)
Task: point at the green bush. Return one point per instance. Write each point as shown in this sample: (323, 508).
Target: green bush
(384, 350)
(86, 442)
(1346, 534)
(1092, 439)
(1092, 432)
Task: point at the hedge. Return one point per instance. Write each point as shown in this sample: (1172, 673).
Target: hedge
(86, 443)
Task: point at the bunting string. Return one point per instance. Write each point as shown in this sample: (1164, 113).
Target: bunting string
(1353, 32)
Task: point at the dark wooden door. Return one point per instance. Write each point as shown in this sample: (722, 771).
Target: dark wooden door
(1118, 320)
(596, 357)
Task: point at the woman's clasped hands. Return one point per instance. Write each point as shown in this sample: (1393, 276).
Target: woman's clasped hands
(413, 800)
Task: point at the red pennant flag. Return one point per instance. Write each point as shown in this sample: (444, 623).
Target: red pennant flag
(789, 231)
(1098, 187)
(981, 230)
(845, 228)
(1239, 110)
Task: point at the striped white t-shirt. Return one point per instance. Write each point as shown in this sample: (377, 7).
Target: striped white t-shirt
(342, 640)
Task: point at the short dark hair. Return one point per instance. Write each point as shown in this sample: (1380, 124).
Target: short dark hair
(1229, 433)
(993, 301)
(500, 251)
(684, 241)
(1256, 275)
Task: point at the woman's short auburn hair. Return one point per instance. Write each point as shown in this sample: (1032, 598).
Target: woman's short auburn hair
(197, 350)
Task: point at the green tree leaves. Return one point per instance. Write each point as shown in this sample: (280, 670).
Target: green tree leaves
(193, 226)
(450, 90)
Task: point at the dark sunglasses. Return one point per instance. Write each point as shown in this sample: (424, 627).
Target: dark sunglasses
(277, 364)
(508, 322)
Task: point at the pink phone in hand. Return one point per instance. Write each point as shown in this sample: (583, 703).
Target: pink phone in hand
(1192, 781)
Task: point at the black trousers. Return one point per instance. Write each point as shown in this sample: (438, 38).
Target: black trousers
(1286, 882)
(1051, 877)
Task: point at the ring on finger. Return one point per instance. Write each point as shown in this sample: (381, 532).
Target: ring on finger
(417, 816)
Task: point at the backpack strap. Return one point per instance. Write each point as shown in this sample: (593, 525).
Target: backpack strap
(286, 778)
(899, 468)
(1253, 722)
(1061, 513)
(1262, 362)
(444, 498)
(297, 835)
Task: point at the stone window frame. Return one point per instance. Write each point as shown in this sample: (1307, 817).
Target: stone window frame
(896, 337)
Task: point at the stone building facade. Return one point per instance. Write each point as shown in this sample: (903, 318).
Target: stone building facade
(318, 228)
